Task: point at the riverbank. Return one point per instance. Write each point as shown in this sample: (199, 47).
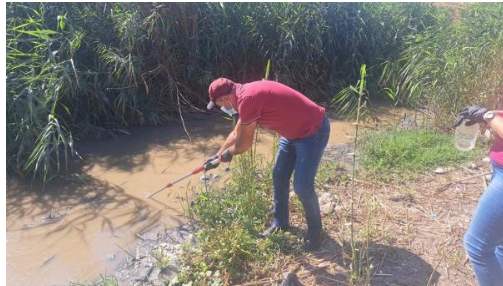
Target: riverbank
(96, 210)
(408, 232)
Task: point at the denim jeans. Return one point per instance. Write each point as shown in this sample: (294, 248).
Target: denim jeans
(303, 156)
(484, 239)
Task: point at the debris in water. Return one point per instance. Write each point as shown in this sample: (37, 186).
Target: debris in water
(149, 236)
(206, 177)
(47, 261)
(52, 217)
(209, 177)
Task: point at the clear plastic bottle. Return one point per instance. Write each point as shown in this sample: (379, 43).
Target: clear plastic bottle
(466, 136)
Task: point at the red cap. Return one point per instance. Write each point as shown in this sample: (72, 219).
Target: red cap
(219, 87)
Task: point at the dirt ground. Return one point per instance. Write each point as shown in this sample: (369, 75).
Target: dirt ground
(416, 231)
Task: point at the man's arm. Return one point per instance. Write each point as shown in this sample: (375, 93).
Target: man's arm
(244, 137)
(231, 139)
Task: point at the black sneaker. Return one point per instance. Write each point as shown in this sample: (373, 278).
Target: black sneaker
(313, 240)
(273, 229)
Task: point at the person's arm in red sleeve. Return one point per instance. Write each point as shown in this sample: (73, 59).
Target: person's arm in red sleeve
(231, 139)
(241, 138)
(244, 137)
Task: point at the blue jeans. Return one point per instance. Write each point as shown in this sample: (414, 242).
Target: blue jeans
(484, 239)
(303, 156)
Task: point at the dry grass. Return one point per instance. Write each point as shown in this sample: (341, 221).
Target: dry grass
(415, 227)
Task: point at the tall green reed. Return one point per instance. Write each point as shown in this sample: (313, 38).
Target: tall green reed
(125, 64)
(40, 74)
(454, 63)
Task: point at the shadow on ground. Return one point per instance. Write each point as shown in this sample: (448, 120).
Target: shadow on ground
(393, 265)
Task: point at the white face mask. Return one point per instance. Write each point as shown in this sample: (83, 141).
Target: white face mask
(231, 111)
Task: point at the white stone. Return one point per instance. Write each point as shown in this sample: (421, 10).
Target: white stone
(327, 204)
(149, 236)
(325, 198)
(439, 171)
(327, 208)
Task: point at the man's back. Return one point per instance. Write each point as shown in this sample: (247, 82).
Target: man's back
(279, 108)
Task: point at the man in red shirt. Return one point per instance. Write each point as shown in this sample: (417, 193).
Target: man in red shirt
(304, 130)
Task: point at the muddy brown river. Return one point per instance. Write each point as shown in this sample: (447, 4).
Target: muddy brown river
(73, 230)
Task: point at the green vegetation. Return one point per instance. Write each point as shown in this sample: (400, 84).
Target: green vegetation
(402, 153)
(451, 64)
(94, 68)
(360, 267)
(230, 221)
(75, 69)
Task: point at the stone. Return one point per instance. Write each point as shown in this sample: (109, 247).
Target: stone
(327, 208)
(473, 166)
(486, 160)
(142, 268)
(489, 177)
(149, 236)
(325, 198)
(327, 204)
(141, 273)
(439, 171)
(154, 274)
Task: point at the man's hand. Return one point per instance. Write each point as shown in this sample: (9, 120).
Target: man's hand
(226, 156)
(212, 158)
(473, 113)
(208, 165)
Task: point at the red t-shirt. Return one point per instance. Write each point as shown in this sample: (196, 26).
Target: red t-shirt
(279, 108)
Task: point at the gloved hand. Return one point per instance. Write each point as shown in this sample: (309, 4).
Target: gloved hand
(208, 165)
(226, 156)
(212, 158)
(474, 114)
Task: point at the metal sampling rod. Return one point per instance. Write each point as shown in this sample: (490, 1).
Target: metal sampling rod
(194, 172)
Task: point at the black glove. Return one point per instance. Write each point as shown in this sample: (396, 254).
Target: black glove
(226, 156)
(208, 165)
(212, 158)
(473, 113)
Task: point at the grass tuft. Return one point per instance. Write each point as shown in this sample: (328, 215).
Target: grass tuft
(401, 153)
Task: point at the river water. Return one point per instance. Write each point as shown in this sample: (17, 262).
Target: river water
(81, 227)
